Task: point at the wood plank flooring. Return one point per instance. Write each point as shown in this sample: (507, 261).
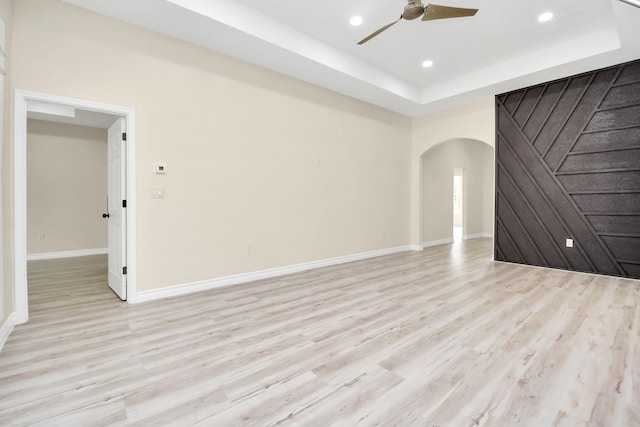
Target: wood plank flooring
(444, 337)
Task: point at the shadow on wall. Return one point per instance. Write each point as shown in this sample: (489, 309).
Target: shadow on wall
(476, 159)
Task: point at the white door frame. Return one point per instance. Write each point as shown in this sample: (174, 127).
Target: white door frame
(21, 304)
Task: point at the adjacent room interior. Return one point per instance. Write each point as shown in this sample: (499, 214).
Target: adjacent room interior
(247, 213)
(66, 190)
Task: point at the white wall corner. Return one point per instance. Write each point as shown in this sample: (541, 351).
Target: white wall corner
(6, 329)
(238, 279)
(447, 241)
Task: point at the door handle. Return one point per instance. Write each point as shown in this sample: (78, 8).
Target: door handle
(105, 215)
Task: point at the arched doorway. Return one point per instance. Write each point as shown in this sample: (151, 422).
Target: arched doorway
(473, 160)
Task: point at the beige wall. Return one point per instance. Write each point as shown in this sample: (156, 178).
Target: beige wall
(254, 158)
(66, 187)
(6, 289)
(488, 197)
(438, 163)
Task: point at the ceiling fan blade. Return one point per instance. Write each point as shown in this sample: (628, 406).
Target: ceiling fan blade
(375, 33)
(436, 11)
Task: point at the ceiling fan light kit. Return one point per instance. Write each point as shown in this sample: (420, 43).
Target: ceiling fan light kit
(414, 9)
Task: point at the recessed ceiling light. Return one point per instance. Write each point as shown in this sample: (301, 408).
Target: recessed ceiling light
(547, 16)
(427, 63)
(356, 20)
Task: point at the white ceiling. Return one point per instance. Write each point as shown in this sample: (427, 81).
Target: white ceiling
(502, 48)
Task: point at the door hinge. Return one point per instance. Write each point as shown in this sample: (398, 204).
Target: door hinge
(124, 203)
(124, 270)
(124, 136)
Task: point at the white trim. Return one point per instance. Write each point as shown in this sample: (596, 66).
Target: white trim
(416, 247)
(237, 279)
(447, 241)
(21, 305)
(3, 125)
(67, 254)
(477, 236)
(6, 329)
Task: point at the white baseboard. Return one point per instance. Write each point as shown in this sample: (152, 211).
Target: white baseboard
(237, 279)
(447, 241)
(477, 236)
(6, 329)
(67, 254)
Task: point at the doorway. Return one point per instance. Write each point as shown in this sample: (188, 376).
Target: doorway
(472, 161)
(458, 205)
(24, 101)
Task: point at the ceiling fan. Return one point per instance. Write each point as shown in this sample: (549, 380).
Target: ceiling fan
(430, 12)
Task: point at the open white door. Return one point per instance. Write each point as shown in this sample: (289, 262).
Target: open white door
(117, 233)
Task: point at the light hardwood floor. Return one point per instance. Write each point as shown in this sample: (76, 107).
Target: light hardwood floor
(443, 337)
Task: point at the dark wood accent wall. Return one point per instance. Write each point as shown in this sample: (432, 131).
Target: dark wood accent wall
(568, 166)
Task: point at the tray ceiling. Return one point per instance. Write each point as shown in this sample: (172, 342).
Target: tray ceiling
(502, 48)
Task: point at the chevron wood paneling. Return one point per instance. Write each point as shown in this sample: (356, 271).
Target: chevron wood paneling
(568, 166)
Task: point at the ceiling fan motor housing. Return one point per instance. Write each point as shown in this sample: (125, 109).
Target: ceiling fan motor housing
(412, 11)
